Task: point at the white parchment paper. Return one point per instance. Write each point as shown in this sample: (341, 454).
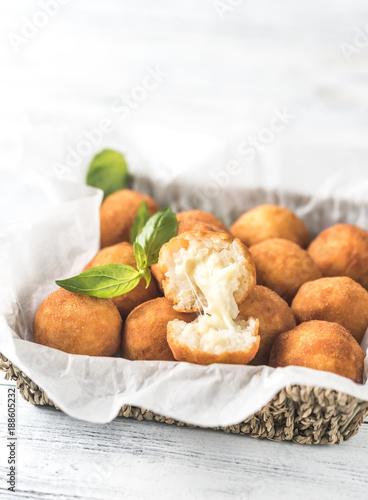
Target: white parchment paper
(57, 244)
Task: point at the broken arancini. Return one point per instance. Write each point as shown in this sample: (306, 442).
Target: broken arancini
(117, 214)
(122, 253)
(78, 324)
(270, 221)
(283, 266)
(338, 300)
(145, 331)
(274, 315)
(322, 346)
(342, 250)
(183, 227)
(211, 255)
(204, 345)
(209, 272)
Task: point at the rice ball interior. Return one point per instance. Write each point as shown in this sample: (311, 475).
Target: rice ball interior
(210, 273)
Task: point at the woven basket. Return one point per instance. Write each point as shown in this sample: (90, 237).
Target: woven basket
(305, 415)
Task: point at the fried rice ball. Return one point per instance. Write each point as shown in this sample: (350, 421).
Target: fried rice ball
(342, 250)
(274, 316)
(209, 272)
(205, 343)
(117, 214)
(122, 253)
(78, 324)
(183, 227)
(322, 346)
(338, 300)
(196, 225)
(270, 221)
(283, 266)
(145, 331)
(211, 254)
(201, 216)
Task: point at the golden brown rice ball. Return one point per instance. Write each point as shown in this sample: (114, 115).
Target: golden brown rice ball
(270, 221)
(145, 331)
(78, 324)
(274, 316)
(183, 227)
(123, 253)
(322, 346)
(117, 214)
(201, 216)
(338, 300)
(342, 250)
(283, 266)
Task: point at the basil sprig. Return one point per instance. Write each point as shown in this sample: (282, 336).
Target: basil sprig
(159, 229)
(141, 260)
(108, 171)
(139, 222)
(117, 279)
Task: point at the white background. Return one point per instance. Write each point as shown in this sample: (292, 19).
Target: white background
(226, 75)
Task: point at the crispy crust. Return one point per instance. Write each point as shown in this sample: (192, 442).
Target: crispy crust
(322, 346)
(182, 241)
(78, 324)
(182, 352)
(274, 316)
(122, 253)
(270, 221)
(201, 216)
(145, 331)
(117, 214)
(283, 266)
(196, 225)
(339, 300)
(342, 250)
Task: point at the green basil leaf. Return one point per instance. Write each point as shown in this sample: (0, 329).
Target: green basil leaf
(140, 256)
(140, 220)
(146, 274)
(104, 282)
(108, 171)
(160, 228)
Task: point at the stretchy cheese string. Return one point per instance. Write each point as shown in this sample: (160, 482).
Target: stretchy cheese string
(198, 301)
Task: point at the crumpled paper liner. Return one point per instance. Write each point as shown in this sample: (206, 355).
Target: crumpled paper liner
(57, 244)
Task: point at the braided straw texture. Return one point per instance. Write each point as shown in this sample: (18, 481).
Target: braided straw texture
(303, 414)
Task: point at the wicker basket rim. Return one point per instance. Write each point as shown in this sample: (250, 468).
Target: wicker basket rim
(302, 414)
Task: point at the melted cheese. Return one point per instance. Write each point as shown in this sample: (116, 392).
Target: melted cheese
(217, 283)
(215, 278)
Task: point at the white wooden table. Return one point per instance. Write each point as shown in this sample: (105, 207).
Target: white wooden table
(59, 457)
(262, 54)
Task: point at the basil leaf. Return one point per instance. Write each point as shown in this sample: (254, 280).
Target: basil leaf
(146, 274)
(108, 171)
(104, 282)
(140, 256)
(140, 220)
(160, 228)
